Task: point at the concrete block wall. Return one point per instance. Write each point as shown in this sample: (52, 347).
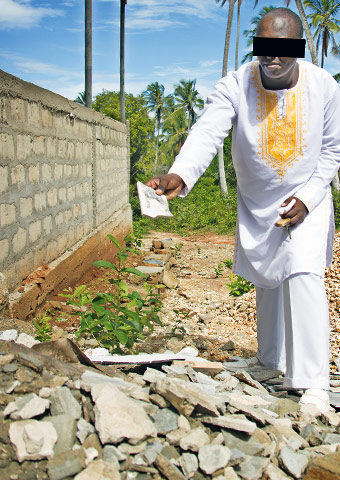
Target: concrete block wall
(64, 174)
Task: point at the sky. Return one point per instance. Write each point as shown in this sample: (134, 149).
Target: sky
(166, 40)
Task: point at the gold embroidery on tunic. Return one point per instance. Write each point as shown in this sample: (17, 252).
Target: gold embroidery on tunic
(280, 139)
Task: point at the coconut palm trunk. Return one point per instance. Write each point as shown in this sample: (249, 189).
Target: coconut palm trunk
(88, 53)
(221, 169)
(308, 33)
(122, 59)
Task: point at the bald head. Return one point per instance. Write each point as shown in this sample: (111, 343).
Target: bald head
(282, 22)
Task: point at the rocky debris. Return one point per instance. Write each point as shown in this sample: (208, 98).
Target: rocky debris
(166, 422)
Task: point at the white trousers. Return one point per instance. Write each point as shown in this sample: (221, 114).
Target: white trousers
(293, 330)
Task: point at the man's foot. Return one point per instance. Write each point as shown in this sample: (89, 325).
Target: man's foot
(317, 397)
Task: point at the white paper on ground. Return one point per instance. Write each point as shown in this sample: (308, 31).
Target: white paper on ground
(151, 204)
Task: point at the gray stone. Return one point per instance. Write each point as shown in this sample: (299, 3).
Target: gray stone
(189, 464)
(229, 346)
(213, 457)
(33, 439)
(237, 457)
(183, 423)
(175, 436)
(245, 377)
(83, 429)
(65, 426)
(117, 416)
(256, 414)
(170, 452)
(10, 368)
(89, 379)
(243, 442)
(159, 400)
(169, 279)
(252, 468)
(62, 401)
(284, 406)
(272, 472)
(26, 340)
(112, 454)
(128, 449)
(294, 463)
(170, 471)
(165, 421)
(229, 474)
(311, 434)
(331, 438)
(195, 439)
(9, 335)
(284, 432)
(26, 407)
(99, 470)
(66, 464)
(185, 397)
(233, 422)
(151, 452)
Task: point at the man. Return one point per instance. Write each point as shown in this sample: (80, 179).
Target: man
(286, 145)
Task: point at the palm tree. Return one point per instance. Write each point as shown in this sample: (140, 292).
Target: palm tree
(154, 96)
(239, 3)
(122, 60)
(81, 98)
(337, 77)
(223, 182)
(324, 20)
(187, 97)
(88, 53)
(250, 34)
(175, 133)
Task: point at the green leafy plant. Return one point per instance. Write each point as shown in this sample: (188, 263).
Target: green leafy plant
(238, 285)
(198, 250)
(42, 327)
(180, 315)
(119, 319)
(219, 270)
(178, 248)
(228, 263)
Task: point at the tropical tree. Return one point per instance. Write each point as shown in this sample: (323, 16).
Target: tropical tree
(175, 132)
(326, 24)
(142, 127)
(81, 98)
(88, 53)
(239, 3)
(154, 96)
(187, 98)
(250, 34)
(223, 182)
(337, 77)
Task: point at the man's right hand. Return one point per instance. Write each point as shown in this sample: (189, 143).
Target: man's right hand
(169, 185)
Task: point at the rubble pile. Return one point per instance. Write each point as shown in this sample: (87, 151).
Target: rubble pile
(60, 421)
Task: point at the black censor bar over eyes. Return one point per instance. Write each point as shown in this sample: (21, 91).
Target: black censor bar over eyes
(279, 47)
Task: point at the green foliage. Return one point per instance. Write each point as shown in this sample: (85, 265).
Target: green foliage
(228, 263)
(180, 315)
(42, 328)
(221, 266)
(141, 125)
(336, 203)
(238, 285)
(119, 319)
(178, 248)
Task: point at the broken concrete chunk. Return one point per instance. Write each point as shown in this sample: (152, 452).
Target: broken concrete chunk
(33, 439)
(118, 416)
(213, 457)
(62, 401)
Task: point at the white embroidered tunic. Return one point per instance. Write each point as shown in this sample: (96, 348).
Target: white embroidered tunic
(285, 142)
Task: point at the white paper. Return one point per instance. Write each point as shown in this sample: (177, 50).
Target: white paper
(151, 204)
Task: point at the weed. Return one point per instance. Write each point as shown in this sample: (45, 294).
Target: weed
(42, 327)
(198, 250)
(228, 263)
(238, 285)
(219, 270)
(178, 248)
(117, 320)
(180, 315)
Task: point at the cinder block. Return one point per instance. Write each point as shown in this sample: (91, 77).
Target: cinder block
(52, 198)
(46, 118)
(67, 170)
(7, 146)
(51, 251)
(39, 146)
(18, 175)
(26, 207)
(51, 148)
(24, 266)
(34, 231)
(79, 151)
(47, 224)
(62, 194)
(46, 173)
(58, 171)
(67, 216)
(3, 179)
(39, 201)
(61, 243)
(19, 240)
(71, 194)
(86, 188)
(70, 150)
(33, 174)
(33, 114)
(59, 219)
(4, 250)
(18, 109)
(24, 147)
(62, 148)
(75, 169)
(7, 214)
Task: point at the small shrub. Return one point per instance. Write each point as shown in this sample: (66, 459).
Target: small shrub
(43, 329)
(180, 315)
(238, 285)
(117, 320)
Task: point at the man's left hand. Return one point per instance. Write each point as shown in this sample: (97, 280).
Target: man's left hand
(297, 213)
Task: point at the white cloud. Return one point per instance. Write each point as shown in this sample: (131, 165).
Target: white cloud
(161, 14)
(22, 14)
